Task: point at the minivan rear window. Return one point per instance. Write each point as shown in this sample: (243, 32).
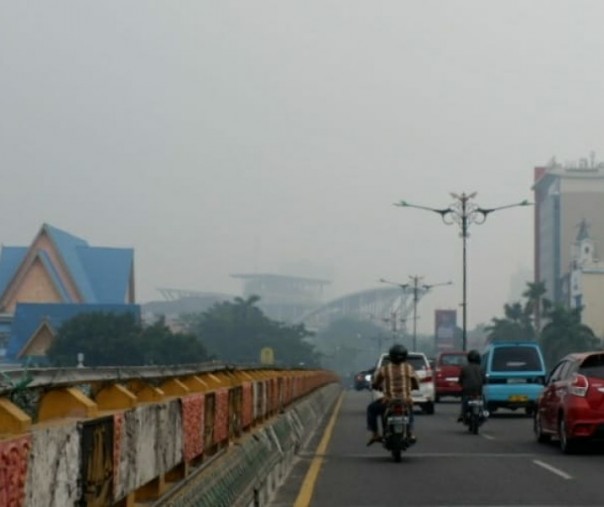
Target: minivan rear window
(453, 360)
(593, 366)
(417, 362)
(516, 359)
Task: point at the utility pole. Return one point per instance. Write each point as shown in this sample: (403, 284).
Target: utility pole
(415, 284)
(417, 290)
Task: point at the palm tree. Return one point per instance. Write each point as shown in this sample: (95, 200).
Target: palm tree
(564, 333)
(516, 325)
(536, 305)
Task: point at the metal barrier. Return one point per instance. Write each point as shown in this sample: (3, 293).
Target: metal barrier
(119, 436)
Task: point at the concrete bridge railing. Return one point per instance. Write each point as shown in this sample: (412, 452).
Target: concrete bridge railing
(127, 437)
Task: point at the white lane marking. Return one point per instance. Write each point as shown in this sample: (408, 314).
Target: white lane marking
(552, 469)
(487, 436)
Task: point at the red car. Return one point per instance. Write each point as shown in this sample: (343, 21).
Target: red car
(447, 367)
(571, 405)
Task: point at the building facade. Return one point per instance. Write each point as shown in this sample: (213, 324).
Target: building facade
(565, 195)
(586, 281)
(283, 298)
(57, 277)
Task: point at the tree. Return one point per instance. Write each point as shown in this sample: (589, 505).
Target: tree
(516, 325)
(104, 338)
(522, 321)
(236, 331)
(536, 304)
(112, 339)
(564, 333)
(162, 346)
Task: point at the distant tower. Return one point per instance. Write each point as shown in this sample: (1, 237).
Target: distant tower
(583, 256)
(584, 248)
(586, 280)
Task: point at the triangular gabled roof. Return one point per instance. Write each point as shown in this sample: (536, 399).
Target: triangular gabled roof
(54, 276)
(79, 272)
(68, 246)
(44, 330)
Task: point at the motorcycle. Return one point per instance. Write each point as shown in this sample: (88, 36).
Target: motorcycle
(475, 414)
(396, 431)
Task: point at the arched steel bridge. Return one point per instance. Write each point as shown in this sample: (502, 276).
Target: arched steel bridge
(381, 304)
(378, 303)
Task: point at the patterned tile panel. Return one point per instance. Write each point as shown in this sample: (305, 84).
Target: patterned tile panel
(14, 456)
(193, 424)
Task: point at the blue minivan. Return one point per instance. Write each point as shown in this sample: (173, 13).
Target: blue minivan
(515, 375)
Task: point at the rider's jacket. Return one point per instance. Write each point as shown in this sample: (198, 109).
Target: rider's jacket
(396, 381)
(471, 379)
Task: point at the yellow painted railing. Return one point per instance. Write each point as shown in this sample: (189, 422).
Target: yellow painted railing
(111, 436)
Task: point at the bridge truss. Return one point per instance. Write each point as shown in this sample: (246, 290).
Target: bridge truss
(381, 304)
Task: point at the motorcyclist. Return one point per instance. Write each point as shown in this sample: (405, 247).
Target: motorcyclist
(471, 379)
(396, 380)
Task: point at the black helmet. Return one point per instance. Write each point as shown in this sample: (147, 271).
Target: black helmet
(398, 354)
(473, 357)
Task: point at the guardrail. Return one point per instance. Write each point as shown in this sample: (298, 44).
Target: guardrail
(118, 436)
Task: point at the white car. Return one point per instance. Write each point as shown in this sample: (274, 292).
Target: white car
(424, 396)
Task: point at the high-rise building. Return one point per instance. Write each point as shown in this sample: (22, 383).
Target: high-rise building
(566, 195)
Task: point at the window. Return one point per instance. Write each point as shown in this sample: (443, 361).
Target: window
(566, 370)
(418, 362)
(559, 372)
(516, 359)
(453, 360)
(593, 366)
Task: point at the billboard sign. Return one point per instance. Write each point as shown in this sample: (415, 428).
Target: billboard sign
(445, 325)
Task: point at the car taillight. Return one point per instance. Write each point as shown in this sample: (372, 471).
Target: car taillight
(578, 385)
(428, 377)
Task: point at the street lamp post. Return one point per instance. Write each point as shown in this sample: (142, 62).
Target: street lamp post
(463, 212)
(415, 285)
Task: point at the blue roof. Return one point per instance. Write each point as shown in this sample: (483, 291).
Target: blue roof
(108, 271)
(11, 258)
(68, 247)
(56, 279)
(101, 275)
(29, 316)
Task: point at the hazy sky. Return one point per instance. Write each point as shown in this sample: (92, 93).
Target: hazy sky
(224, 137)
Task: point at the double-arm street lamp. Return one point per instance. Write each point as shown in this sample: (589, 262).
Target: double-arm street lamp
(463, 212)
(417, 289)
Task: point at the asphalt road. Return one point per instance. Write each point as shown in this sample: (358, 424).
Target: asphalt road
(503, 465)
